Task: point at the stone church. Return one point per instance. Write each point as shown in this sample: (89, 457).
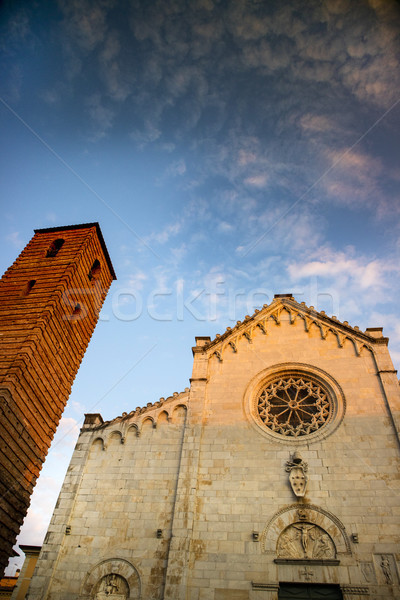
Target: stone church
(274, 476)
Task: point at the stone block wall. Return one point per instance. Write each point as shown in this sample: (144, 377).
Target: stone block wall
(116, 506)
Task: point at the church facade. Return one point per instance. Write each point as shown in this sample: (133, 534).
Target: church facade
(274, 476)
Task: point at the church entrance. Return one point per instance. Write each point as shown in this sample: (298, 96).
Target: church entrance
(306, 591)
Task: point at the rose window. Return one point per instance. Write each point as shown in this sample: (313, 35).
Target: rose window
(294, 406)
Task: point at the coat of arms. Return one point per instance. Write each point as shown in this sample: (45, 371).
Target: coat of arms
(297, 469)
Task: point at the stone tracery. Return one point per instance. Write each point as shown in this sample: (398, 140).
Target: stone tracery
(294, 406)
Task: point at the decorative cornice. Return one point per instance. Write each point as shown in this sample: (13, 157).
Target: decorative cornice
(272, 313)
(328, 562)
(273, 587)
(356, 590)
(139, 411)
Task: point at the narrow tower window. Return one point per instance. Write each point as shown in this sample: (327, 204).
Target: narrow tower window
(54, 248)
(28, 287)
(95, 270)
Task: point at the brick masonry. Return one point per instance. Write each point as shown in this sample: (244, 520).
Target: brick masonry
(190, 498)
(50, 300)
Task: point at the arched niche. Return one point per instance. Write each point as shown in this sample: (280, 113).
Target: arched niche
(311, 516)
(114, 439)
(162, 418)
(179, 414)
(147, 426)
(132, 433)
(114, 577)
(96, 447)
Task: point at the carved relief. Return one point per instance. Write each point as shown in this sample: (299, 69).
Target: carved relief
(115, 577)
(367, 570)
(302, 514)
(297, 469)
(385, 567)
(305, 540)
(305, 513)
(111, 585)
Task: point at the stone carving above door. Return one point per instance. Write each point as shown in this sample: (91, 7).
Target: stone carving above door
(111, 586)
(296, 532)
(305, 540)
(111, 579)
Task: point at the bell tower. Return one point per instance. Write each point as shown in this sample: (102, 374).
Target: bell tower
(50, 300)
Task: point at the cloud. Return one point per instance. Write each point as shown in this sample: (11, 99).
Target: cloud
(52, 217)
(348, 277)
(359, 178)
(225, 227)
(136, 281)
(259, 181)
(117, 78)
(148, 134)
(101, 116)
(163, 236)
(177, 168)
(15, 239)
(85, 22)
(317, 123)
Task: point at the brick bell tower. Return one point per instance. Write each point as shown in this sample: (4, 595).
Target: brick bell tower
(50, 300)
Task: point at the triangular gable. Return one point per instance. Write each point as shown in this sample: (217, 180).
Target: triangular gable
(271, 315)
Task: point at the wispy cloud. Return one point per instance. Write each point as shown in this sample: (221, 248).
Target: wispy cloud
(15, 239)
(357, 282)
(102, 117)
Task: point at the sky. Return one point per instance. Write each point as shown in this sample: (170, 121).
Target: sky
(230, 150)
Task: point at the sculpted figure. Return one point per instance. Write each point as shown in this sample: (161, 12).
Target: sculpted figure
(111, 585)
(305, 540)
(288, 547)
(322, 547)
(306, 535)
(385, 566)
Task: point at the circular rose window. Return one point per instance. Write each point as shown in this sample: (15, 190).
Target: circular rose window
(294, 406)
(294, 403)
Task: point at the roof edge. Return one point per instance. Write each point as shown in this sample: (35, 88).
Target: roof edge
(289, 301)
(139, 411)
(84, 226)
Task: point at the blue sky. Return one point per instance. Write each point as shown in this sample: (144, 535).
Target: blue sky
(229, 151)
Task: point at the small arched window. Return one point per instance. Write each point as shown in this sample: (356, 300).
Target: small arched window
(95, 270)
(54, 248)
